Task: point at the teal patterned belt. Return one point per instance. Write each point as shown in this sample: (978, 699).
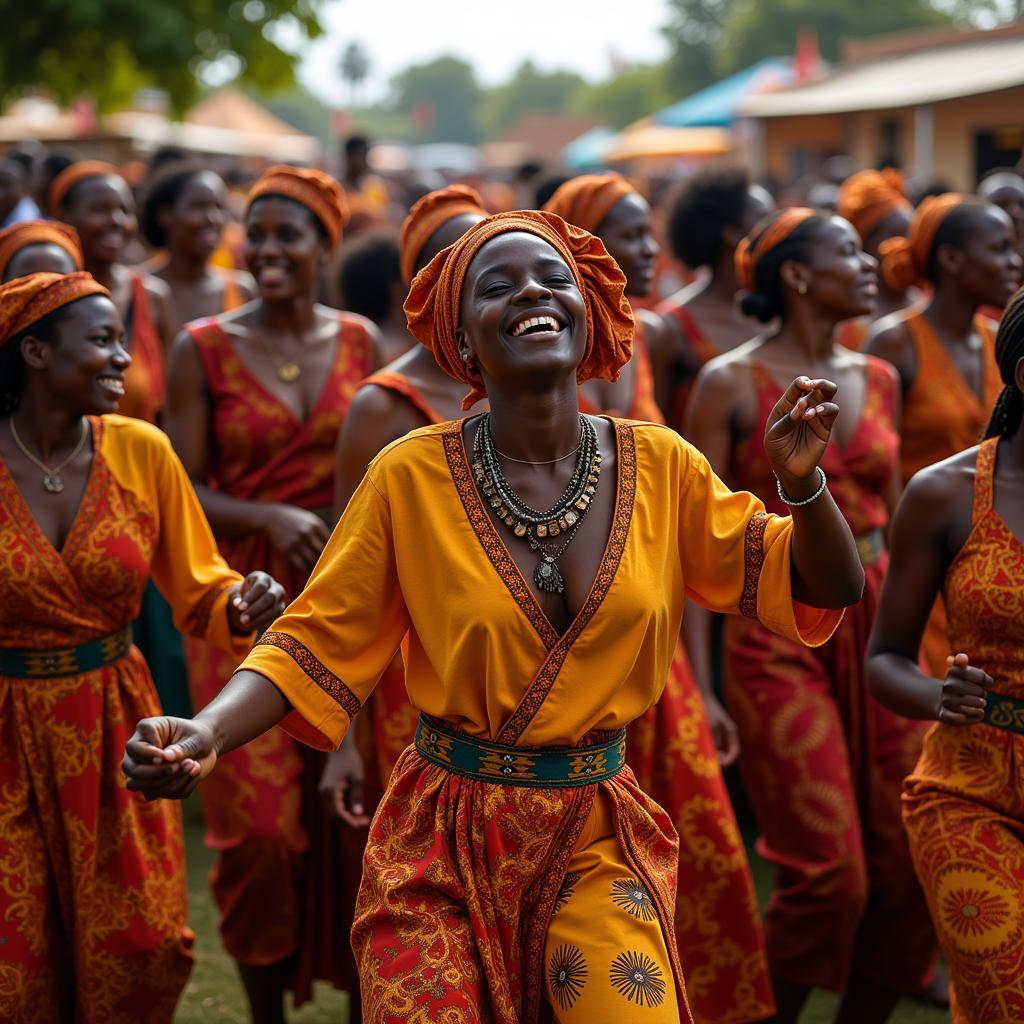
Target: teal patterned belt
(870, 546)
(1004, 712)
(65, 661)
(540, 767)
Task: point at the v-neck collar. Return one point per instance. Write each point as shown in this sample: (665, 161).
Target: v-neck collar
(298, 421)
(557, 645)
(56, 559)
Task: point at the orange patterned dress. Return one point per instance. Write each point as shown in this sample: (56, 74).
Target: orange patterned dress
(943, 416)
(963, 805)
(821, 762)
(277, 881)
(672, 754)
(92, 877)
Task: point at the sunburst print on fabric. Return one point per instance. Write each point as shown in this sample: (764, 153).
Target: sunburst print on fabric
(568, 888)
(629, 895)
(567, 974)
(638, 978)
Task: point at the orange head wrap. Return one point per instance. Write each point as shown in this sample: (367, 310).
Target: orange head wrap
(71, 176)
(434, 304)
(868, 197)
(430, 214)
(752, 248)
(586, 200)
(905, 260)
(38, 232)
(316, 191)
(26, 300)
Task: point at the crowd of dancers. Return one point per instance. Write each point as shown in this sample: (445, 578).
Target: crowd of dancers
(409, 519)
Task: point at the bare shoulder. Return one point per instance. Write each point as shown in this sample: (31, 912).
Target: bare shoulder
(156, 287)
(888, 337)
(939, 495)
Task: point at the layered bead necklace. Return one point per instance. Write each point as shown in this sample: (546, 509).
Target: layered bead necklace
(538, 528)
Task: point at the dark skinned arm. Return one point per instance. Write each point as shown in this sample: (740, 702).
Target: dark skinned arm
(931, 523)
(298, 533)
(168, 757)
(708, 429)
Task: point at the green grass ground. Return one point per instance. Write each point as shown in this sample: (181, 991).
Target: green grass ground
(214, 992)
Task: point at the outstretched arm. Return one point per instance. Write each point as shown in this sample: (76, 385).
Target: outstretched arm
(168, 757)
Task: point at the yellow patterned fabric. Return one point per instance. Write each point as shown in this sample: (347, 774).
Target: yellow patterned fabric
(461, 877)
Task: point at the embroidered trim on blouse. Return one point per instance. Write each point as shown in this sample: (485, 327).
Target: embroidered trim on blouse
(315, 669)
(753, 562)
(204, 609)
(545, 678)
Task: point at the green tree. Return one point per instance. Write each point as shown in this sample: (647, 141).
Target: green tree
(626, 97)
(694, 33)
(768, 28)
(107, 48)
(354, 68)
(528, 91)
(443, 96)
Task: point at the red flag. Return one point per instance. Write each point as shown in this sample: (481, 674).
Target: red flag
(807, 63)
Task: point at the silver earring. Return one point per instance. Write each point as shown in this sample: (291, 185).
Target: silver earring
(803, 288)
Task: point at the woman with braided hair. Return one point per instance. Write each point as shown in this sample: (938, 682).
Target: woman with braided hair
(536, 562)
(959, 530)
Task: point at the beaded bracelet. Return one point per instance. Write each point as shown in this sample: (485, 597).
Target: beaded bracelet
(806, 501)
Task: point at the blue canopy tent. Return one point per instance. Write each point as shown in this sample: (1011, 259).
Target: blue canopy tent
(588, 150)
(715, 106)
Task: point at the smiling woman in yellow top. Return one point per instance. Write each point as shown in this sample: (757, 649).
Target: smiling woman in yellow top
(538, 561)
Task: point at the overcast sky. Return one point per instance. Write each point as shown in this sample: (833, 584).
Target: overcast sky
(494, 37)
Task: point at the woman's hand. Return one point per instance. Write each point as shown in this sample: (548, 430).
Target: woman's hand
(341, 784)
(797, 434)
(723, 731)
(168, 757)
(258, 601)
(297, 533)
(962, 699)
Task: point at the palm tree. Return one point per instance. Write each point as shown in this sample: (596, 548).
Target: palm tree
(355, 68)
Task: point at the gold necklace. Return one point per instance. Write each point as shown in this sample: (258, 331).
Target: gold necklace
(287, 372)
(51, 477)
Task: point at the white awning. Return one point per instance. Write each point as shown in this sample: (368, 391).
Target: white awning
(906, 80)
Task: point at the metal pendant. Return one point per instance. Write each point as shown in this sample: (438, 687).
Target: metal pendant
(289, 372)
(53, 483)
(547, 577)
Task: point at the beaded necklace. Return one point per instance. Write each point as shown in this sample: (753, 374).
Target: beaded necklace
(538, 527)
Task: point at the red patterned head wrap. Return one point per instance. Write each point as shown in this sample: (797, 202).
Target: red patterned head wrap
(26, 300)
(71, 176)
(38, 232)
(905, 260)
(435, 298)
(586, 200)
(430, 214)
(868, 197)
(316, 191)
(753, 247)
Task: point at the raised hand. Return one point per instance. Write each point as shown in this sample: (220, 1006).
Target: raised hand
(168, 757)
(258, 601)
(962, 699)
(797, 434)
